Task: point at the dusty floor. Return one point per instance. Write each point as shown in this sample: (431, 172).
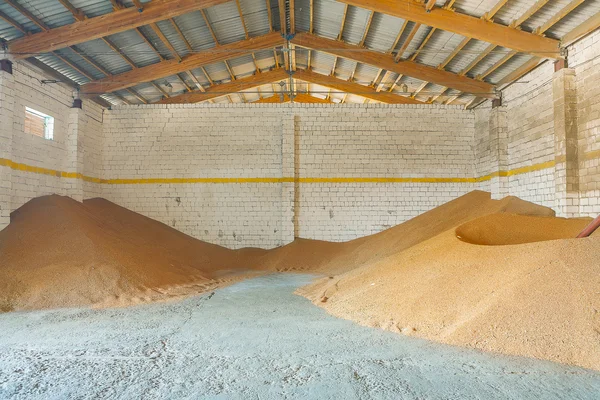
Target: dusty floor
(254, 340)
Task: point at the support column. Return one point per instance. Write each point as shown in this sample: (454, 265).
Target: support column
(499, 150)
(7, 108)
(566, 170)
(289, 187)
(74, 162)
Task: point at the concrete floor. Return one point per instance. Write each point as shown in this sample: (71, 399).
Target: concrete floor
(254, 340)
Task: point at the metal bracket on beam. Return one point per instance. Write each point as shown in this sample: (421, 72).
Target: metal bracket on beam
(288, 36)
(6, 66)
(497, 103)
(138, 5)
(77, 103)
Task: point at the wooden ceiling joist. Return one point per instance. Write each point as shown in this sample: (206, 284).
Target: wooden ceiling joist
(465, 25)
(170, 67)
(304, 98)
(227, 88)
(104, 25)
(354, 88)
(387, 62)
(588, 26)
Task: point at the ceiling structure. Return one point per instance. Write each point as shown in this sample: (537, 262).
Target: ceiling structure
(266, 51)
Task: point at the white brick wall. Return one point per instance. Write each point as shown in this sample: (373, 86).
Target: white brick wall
(242, 141)
(530, 117)
(276, 143)
(584, 57)
(57, 154)
(381, 141)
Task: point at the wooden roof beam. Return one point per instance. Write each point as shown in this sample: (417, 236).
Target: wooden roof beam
(230, 87)
(170, 67)
(476, 28)
(355, 88)
(104, 25)
(387, 62)
(300, 98)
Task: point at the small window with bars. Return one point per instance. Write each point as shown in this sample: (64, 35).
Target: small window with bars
(39, 124)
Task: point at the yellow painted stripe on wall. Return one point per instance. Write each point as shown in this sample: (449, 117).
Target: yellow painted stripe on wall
(126, 181)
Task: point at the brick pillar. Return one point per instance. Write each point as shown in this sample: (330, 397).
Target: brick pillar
(566, 173)
(498, 151)
(289, 188)
(7, 106)
(74, 162)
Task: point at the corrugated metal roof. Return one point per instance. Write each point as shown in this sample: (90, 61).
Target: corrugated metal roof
(356, 24)
(51, 13)
(226, 22)
(327, 18)
(195, 30)
(383, 32)
(575, 18)
(255, 16)
(328, 15)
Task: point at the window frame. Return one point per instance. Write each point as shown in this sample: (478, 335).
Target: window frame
(48, 123)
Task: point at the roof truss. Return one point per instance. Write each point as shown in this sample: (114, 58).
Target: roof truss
(387, 62)
(174, 66)
(108, 24)
(465, 25)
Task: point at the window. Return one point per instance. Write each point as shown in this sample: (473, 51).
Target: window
(39, 124)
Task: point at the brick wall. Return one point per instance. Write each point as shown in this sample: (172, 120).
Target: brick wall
(381, 141)
(260, 175)
(584, 58)
(205, 142)
(384, 145)
(63, 153)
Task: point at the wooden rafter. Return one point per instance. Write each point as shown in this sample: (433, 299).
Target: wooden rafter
(170, 67)
(29, 15)
(343, 24)
(300, 98)
(429, 5)
(406, 43)
(350, 79)
(489, 15)
(387, 62)
(476, 28)
(588, 26)
(270, 15)
(77, 14)
(381, 84)
(519, 72)
(165, 41)
(541, 30)
(367, 27)
(422, 45)
(311, 17)
(282, 17)
(137, 95)
(399, 36)
(108, 24)
(230, 87)
(355, 88)
(12, 22)
(239, 8)
(292, 16)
